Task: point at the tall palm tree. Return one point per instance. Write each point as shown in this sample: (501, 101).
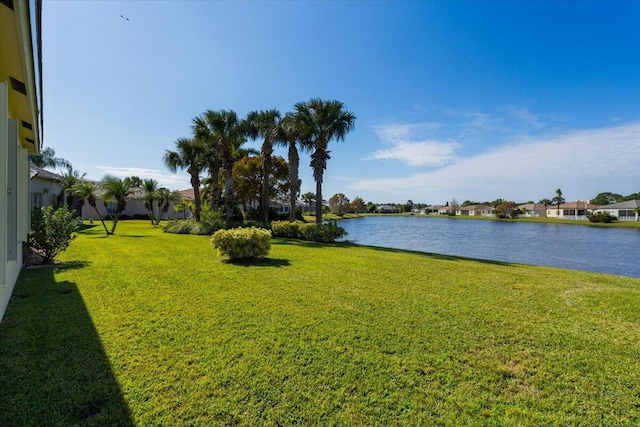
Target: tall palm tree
(211, 143)
(188, 155)
(289, 136)
(308, 198)
(47, 159)
(149, 188)
(226, 129)
(85, 191)
(545, 202)
(319, 122)
(558, 200)
(116, 189)
(264, 124)
(66, 181)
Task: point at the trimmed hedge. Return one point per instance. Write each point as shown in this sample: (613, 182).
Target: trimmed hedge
(323, 233)
(242, 243)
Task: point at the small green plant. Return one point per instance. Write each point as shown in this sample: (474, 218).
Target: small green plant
(52, 230)
(191, 226)
(242, 243)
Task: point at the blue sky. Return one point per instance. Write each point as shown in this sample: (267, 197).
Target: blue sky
(466, 100)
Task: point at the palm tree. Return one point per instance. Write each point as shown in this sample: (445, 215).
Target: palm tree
(47, 159)
(66, 181)
(189, 156)
(319, 122)
(289, 136)
(224, 131)
(165, 197)
(308, 198)
(183, 206)
(206, 135)
(264, 124)
(116, 189)
(85, 191)
(149, 188)
(558, 200)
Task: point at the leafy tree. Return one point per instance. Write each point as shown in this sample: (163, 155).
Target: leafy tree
(264, 124)
(506, 210)
(47, 159)
(116, 189)
(558, 200)
(455, 205)
(319, 121)
(189, 155)
(496, 202)
(408, 207)
(357, 205)
(52, 230)
(85, 191)
(606, 198)
(339, 204)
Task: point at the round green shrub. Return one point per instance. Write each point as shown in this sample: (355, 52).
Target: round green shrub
(287, 229)
(242, 243)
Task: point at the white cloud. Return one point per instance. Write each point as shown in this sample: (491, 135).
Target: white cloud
(407, 147)
(582, 163)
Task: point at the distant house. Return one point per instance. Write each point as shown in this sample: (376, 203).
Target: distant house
(533, 210)
(386, 209)
(45, 187)
(571, 210)
(624, 211)
(475, 210)
(445, 210)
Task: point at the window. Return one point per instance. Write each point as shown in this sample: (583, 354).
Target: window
(36, 200)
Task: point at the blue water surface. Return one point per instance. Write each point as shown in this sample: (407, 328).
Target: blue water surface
(576, 247)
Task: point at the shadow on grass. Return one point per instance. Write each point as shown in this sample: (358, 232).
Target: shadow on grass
(261, 262)
(53, 368)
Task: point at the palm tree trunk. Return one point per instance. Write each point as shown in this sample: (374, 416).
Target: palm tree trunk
(294, 164)
(266, 175)
(195, 183)
(319, 200)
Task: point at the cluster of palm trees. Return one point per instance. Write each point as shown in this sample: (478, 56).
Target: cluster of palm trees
(218, 136)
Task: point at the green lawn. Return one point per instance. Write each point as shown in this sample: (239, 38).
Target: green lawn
(147, 328)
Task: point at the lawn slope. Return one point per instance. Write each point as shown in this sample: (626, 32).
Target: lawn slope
(147, 328)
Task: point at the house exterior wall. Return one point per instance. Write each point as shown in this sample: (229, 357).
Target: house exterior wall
(43, 192)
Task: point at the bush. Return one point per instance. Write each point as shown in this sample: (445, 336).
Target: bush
(190, 226)
(52, 230)
(287, 229)
(242, 243)
(603, 217)
(324, 233)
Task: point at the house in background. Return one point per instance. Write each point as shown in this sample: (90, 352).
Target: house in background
(475, 210)
(571, 210)
(533, 210)
(624, 211)
(45, 187)
(135, 208)
(20, 126)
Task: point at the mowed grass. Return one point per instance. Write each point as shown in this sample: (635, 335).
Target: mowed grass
(147, 328)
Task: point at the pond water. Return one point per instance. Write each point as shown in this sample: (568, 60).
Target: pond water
(604, 250)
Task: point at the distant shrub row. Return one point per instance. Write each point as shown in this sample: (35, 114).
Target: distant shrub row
(205, 228)
(324, 233)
